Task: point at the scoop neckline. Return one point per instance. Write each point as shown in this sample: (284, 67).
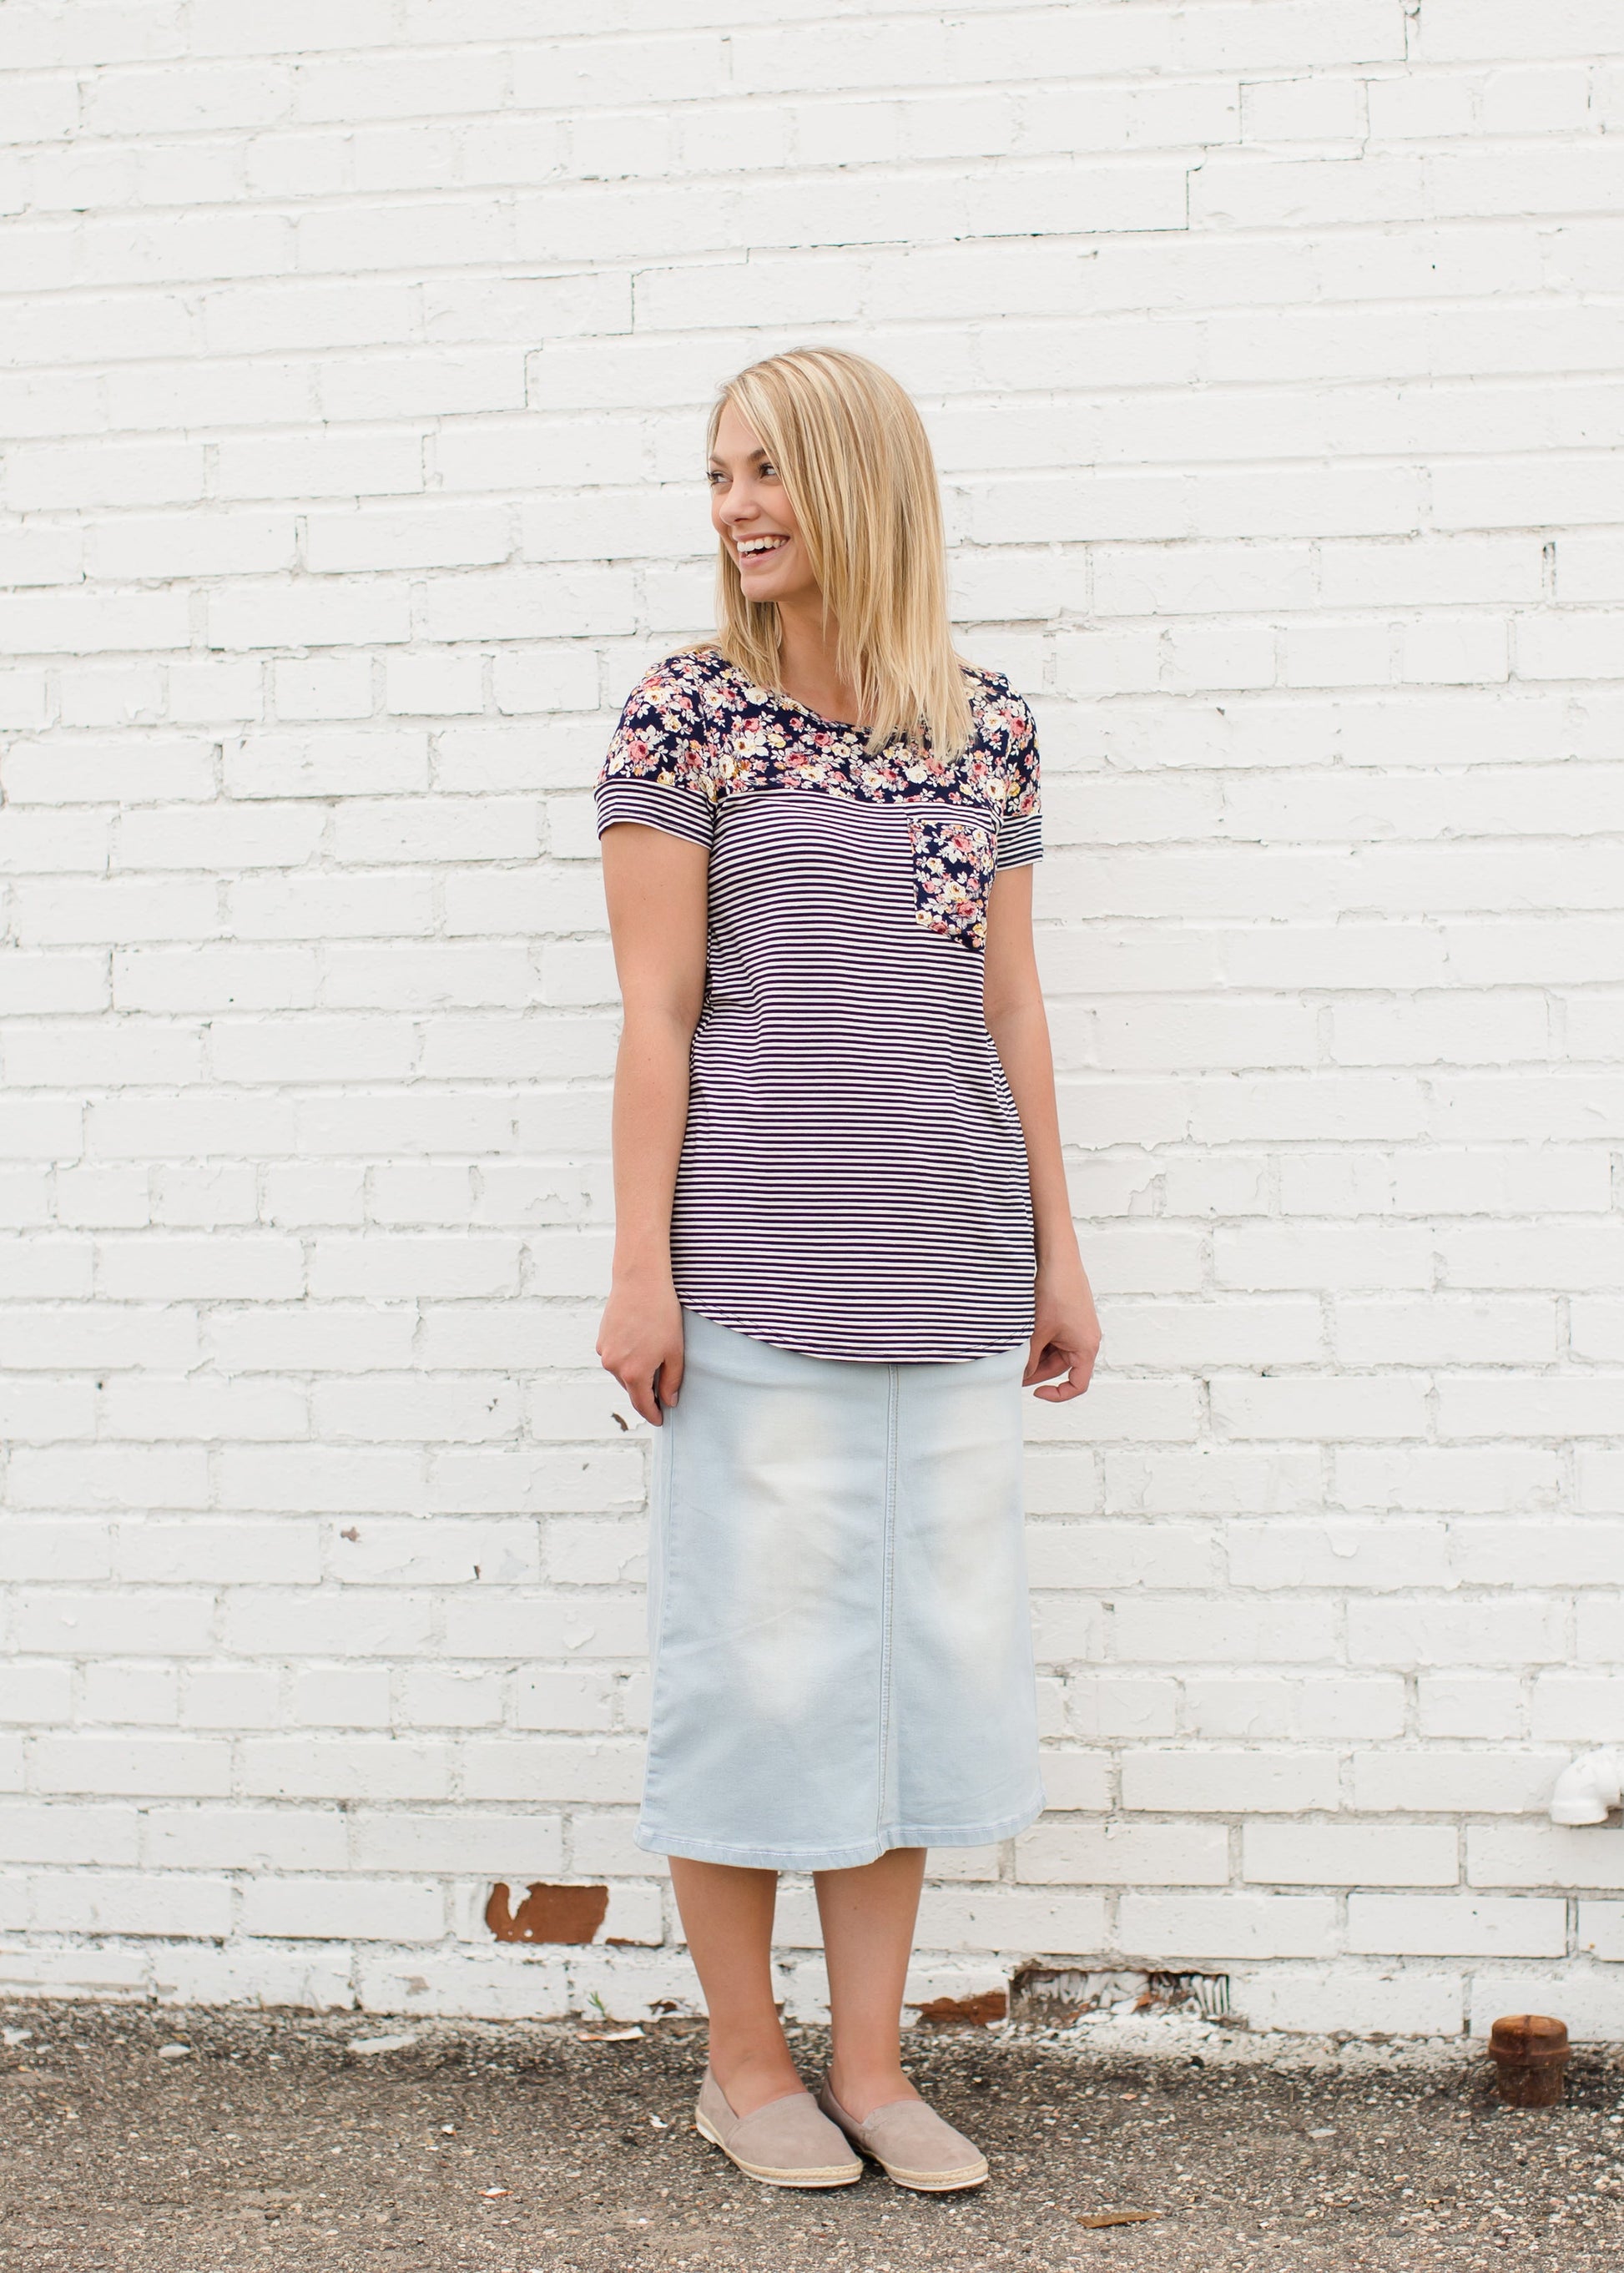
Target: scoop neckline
(790, 702)
(794, 702)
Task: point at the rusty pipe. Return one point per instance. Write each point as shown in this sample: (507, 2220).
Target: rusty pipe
(1529, 2051)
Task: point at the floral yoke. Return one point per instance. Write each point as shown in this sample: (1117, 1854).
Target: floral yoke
(704, 734)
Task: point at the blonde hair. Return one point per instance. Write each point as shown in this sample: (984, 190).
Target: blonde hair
(856, 465)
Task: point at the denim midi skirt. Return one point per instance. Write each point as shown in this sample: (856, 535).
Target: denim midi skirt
(838, 1617)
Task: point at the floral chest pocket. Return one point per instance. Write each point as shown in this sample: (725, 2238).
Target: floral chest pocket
(952, 873)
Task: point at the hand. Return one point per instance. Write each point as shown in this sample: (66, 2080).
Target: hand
(1066, 1338)
(640, 1342)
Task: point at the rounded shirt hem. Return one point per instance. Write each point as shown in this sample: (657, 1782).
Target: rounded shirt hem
(857, 1357)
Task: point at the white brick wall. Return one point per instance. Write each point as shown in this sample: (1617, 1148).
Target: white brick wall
(352, 362)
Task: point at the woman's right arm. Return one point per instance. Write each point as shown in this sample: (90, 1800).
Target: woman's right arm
(655, 883)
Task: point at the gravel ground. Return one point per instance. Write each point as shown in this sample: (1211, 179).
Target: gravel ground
(277, 2141)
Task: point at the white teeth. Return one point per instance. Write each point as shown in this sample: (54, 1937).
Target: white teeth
(761, 543)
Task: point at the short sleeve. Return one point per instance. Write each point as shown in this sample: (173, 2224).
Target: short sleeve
(658, 767)
(1020, 827)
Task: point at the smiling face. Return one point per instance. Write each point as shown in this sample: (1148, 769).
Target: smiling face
(753, 517)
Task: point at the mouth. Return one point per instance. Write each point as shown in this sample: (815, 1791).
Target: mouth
(758, 548)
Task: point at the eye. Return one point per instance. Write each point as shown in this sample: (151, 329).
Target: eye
(714, 476)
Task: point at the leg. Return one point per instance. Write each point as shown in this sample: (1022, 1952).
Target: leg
(868, 1917)
(727, 1918)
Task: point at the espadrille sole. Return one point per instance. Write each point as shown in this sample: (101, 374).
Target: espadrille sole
(935, 2182)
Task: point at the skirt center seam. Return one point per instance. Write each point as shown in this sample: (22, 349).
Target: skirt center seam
(888, 1556)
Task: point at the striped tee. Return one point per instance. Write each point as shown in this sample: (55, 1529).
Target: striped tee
(854, 1181)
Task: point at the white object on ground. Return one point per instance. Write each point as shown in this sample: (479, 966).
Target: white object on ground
(367, 2045)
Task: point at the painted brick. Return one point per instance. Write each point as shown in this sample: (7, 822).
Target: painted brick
(359, 1908)
(1456, 1925)
(229, 1696)
(1601, 1929)
(1442, 1632)
(237, 1838)
(598, 1771)
(1011, 1918)
(316, 1976)
(453, 1696)
(1583, 1552)
(1542, 1854)
(1304, 1999)
(455, 1840)
(1074, 1779)
(382, 462)
(1350, 1854)
(1124, 1854)
(273, 1768)
(145, 1621)
(1472, 1705)
(1177, 1630)
(112, 1902)
(1440, 1781)
(1343, 1554)
(105, 1836)
(1175, 1926)
(137, 1767)
(1229, 1782)
(117, 1693)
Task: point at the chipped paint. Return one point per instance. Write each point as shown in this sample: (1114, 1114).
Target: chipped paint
(963, 2012)
(572, 1914)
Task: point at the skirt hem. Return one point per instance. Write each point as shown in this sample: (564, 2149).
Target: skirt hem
(838, 1858)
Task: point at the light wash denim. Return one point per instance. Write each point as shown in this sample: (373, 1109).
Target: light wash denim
(838, 1617)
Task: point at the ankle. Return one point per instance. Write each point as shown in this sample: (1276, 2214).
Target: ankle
(862, 2085)
(749, 2075)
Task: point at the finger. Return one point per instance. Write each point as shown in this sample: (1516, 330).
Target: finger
(1050, 1365)
(644, 1402)
(668, 1377)
(1074, 1371)
(1077, 1378)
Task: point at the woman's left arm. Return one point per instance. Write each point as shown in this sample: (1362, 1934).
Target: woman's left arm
(1066, 1335)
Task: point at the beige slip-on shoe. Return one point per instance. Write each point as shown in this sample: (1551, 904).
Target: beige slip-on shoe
(785, 2143)
(911, 2145)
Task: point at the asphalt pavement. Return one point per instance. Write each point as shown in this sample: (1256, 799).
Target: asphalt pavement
(164, 2141)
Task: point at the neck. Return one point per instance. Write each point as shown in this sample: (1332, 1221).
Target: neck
(807, 665)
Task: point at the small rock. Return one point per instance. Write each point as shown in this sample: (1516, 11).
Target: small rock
(364, 2047)
(174, 2052)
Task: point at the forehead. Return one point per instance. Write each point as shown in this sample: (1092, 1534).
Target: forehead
(735, 439)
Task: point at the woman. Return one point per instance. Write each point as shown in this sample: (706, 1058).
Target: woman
(842, 1245)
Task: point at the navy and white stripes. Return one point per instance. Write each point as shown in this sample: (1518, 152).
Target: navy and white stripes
(853, 1179)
